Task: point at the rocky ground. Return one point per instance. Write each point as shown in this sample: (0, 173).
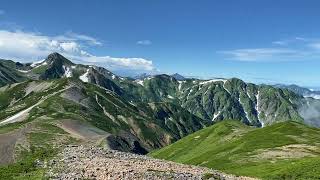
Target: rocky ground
(80, 162)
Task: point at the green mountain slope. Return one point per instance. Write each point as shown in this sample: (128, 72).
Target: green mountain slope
(219, 99)
(71, 99)
(286, 150)
(211, 100)
(9, 72)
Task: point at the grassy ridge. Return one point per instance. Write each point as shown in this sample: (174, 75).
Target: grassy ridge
(238, 149)
(41, 149)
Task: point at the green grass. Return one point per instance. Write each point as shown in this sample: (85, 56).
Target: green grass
(46, 140)
(40, 69)
(26, 167)
(10, 127)
(232, 147)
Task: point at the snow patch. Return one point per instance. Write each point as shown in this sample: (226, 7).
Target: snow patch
(170, 97)
(257, 108)
(215, 115)
(85, 77)
(213, 80)
(105, 111)
(180, 84)
(225, 87)
(67, 71)
(190, 91)
(290, 101)
(139, 82)
(248, 95)
(23, 71)
(113, 76)
(37, 63)
(206, 91)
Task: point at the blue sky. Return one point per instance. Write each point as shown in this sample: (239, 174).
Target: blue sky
(266, 41)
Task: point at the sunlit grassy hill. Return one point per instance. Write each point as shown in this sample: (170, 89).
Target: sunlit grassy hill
(281, 151)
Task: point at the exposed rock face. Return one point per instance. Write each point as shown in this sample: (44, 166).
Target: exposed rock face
(79, 162)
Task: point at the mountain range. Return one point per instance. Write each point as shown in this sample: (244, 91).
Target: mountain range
(301, 90)
(56, 102)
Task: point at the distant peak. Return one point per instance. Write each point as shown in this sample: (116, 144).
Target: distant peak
(54, 55)
(178, 77)
(142, 76)
(57, 58)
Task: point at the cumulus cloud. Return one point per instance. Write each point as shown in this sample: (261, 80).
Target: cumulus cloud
(127, 63)
(294, 49)
(144, 42)
(28, 46)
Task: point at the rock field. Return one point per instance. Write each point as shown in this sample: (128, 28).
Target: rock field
(80, 162)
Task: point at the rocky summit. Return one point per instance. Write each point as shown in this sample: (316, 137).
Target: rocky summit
(80, 162)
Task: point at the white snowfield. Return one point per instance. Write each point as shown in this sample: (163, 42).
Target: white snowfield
(170, 97)
(38, 63)
(257, 108)
(180, 84)
(213, 80)
(139, 82)
(84, 77)
(215, 115)
(67, 71)
(23, 71)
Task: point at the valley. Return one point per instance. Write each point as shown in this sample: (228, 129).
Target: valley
(225, 124)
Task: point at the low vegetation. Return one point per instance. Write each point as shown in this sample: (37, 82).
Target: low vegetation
(277, 151)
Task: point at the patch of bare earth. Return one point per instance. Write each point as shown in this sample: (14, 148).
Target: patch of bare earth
(288, 152)
(37, 87)
(81, 130)
(8, 142)
(80, 162)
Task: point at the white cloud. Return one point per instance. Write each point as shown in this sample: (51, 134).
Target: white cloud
(294, 49)
(315, 45)
(144, 42)
(296, 40)
(262, 54)
(71, 36)
(280, 43)
(118, 63)
(26, 47)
